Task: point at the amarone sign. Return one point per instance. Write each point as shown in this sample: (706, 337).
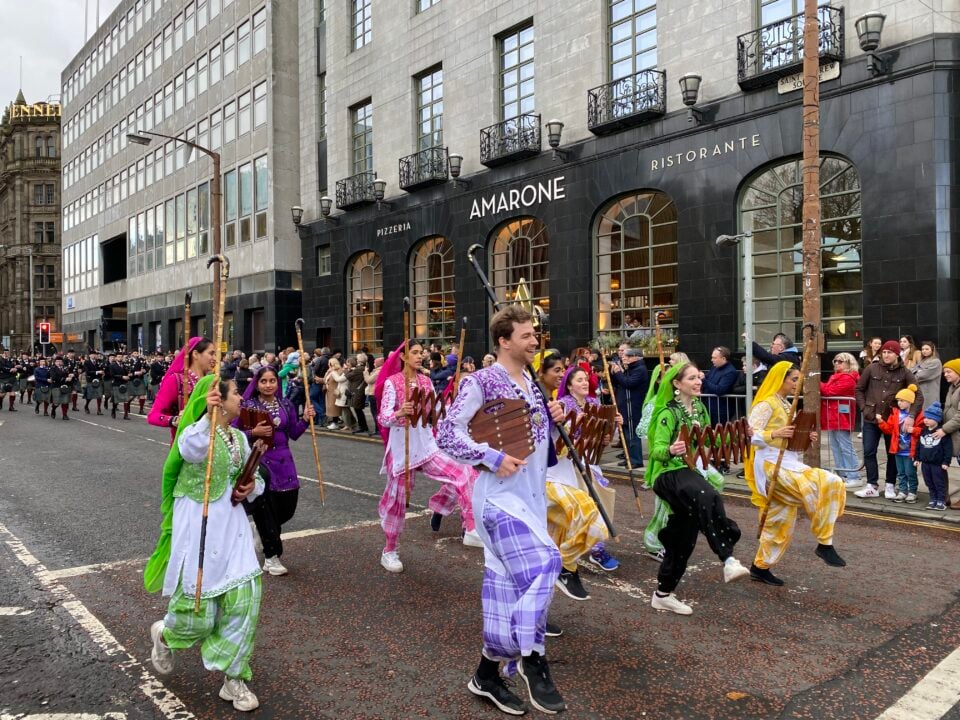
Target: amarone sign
(516, 198)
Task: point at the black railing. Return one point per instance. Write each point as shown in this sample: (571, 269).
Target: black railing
(626, 102)
(509, 140)
(776, 50)
(424, 168)
(355, 190)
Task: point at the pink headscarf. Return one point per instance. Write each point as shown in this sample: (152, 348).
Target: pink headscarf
(391, 367)
(177, 367)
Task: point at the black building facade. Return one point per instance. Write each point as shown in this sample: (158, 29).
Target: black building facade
(891, 205)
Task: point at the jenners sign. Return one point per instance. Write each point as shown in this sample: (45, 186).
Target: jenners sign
(516, 198)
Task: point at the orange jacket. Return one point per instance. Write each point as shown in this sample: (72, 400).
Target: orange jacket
(891, 426)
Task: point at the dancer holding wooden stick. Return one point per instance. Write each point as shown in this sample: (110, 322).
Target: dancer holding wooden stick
(305, 377)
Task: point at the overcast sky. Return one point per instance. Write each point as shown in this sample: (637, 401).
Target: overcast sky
(47, 33)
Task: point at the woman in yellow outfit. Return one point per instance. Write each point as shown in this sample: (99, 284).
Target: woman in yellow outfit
(821, 494)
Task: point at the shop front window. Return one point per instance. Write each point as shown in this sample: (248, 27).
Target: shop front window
(636, 267)
(433, 316)
(519, 264)
(365, 303)
(771, 207)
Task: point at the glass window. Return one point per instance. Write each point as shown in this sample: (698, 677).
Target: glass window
(243, 42)
(632, 37)
(178, 92)
(362, 22)
(362, 140)
(229, 54)
(262, 200)
(230, 206)
(430, 109)
(215, 64)
(365, 303)
(246, 200)
(425, 4)
(181, 201)
(520, 251)
(243, 114)
(203, 219)
(190, 81)
(516, 73)
(433, 315)
(201, 14)
(259, 30)
(158, 239)
(178, 32)
(771, 209)
(636, 266)
(324, 266)
(773, 10)
(168, 100)
(171, 220)
(192, 223)
(260, 104)
(38, 194)
(229, 122)
(189, 19)
(216, 129)
(201, 74)
(168, 42)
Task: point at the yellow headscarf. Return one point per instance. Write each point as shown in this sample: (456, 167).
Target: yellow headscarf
(771, 385)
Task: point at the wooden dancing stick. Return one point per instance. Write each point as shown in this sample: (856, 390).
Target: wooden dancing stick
(313, 431)
(623, 437)
(564, 435)
(184, 395)
(456, 375)
(406, 397)
(224, 274)
(808, 350)
(656, 329)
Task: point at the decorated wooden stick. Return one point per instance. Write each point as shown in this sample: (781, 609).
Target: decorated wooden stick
(306, 389)
(406, 397)
(456, 375)
(185, 395)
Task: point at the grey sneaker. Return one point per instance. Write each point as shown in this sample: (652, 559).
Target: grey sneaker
(160, 655)
(236, 691)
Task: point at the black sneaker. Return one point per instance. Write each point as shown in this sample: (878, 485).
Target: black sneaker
(496, 691)
(569, 583)
(435, 522)
(553, 630)
(765, 576)
(830, 556)
(543, 694)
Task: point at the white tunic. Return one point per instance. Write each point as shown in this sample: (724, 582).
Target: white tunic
(229, 557)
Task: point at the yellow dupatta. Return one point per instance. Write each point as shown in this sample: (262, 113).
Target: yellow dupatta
(771, 385)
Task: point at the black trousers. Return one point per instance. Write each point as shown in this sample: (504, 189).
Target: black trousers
(697, 508)
(270, 511)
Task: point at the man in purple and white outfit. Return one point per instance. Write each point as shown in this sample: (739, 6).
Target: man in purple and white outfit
(521, 562)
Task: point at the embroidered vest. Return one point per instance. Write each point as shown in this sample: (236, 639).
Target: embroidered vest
(192, 475)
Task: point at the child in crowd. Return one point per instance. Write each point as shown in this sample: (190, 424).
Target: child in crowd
(903, 444)
(933, 457)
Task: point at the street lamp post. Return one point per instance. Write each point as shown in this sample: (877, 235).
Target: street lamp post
(140, 138)
(728, 241)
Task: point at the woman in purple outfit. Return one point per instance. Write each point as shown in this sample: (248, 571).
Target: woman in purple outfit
(279, 502)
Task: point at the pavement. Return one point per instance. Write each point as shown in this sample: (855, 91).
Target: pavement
(341, 638)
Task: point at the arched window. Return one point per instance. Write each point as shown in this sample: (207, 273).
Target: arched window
(51, 147)
(520, 250)
(365, 302)
(771, 208)
(432, 314)
(636, 265)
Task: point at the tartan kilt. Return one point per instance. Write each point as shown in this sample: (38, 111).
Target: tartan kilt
(121, 396)
(58, 397)
(76, 387)
(93, 393)
(108, 387)
(42, 395)
(137, 387)
(23, 384)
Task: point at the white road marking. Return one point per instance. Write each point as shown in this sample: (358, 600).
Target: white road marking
(13, 611)
(118, 430)
(294, 534)
(355, 491)
(66, 716)
(96, 567)
(933, 696)
(166, 702)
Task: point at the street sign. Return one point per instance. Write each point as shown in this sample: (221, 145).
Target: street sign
(828, 71)
(223, 347)
(56, 338)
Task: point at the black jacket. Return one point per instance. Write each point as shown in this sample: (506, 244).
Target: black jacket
(936, 451)
(630, 387)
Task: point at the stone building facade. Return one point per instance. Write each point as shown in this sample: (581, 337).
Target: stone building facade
(29, 220)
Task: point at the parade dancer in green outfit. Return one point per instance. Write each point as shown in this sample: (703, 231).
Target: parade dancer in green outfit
(231, 591)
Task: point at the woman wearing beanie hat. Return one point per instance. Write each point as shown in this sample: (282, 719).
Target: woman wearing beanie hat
(928, 372)
(951, 416)
(876, 397)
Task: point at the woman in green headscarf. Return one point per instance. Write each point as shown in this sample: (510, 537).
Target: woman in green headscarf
(231, 592)
(821, 494)
(694, 506)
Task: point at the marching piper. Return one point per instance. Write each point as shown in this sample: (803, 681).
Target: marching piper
(61, 383)
(120, 377)
(41, 390)
(93, 370)
(8, 379)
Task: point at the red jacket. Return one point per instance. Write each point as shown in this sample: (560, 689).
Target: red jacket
(839, 414)
(891, 426)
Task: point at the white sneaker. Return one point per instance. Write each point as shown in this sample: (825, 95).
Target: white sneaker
(868, 491)
(257, 544)
(890, 492)
(391, 562)
(472, 539)
(900, 497)
(237, 692)
(733, 570)
(911, 498)
(161, 656)
(273, 566)
(671, 604)
(851, 484)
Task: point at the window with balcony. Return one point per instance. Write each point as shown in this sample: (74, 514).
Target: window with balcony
(516, 73)
(430, 109)
(362, 137)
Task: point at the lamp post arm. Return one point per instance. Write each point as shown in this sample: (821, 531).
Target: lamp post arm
(206, 151)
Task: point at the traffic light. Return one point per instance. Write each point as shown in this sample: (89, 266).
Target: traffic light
(44, 333)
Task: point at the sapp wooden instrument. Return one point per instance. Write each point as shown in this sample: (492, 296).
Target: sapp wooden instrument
(727, 443)
(428, 407)
(250, 417)
(505, 426)
(588, 429)
(250, 467)
(804, 423)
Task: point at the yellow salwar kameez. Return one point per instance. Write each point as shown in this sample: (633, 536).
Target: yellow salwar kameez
(821, 494)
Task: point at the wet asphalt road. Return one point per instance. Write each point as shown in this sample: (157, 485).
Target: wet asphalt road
(339, 637)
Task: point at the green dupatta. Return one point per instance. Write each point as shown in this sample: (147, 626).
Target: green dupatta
(156, 567)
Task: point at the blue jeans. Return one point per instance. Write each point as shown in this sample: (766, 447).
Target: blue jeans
(634, 445)
(906, 474)
(871, 443)
(318, 398)
(845, 460)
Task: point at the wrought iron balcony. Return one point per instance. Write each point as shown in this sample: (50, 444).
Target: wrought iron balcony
(424, 168)
(510, 140)
(355, 190)
(627, 102)
(776, 50)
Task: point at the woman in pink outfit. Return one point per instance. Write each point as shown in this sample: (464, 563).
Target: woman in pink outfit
(199, 358)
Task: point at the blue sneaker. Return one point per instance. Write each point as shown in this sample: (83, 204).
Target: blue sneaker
(604, 560)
